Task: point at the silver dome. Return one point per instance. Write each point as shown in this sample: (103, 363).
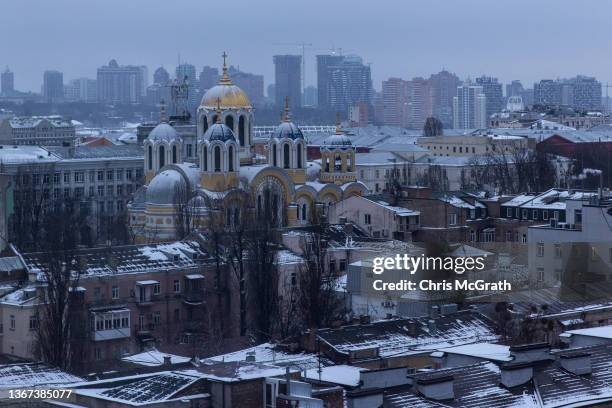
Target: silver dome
(339, 140)
(163, 133)
(165, 186)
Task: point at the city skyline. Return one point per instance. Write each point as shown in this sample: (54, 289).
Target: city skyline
(510, 50)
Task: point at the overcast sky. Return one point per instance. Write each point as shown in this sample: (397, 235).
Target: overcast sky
(519, 39)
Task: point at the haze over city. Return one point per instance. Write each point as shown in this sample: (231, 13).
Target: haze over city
(526, 40)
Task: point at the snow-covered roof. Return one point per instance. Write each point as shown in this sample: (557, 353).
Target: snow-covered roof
(412, 336)
(271, 355)
(154, 358)
(346, 375)
(487, 351)
(34, 375)
(604, 332)
(238, 371)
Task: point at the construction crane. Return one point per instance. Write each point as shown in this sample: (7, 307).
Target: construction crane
(303, 46)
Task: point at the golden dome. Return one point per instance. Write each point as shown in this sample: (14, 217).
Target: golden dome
(225, 94)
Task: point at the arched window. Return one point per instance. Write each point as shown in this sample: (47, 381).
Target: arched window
(204, 123)
(304, 212)
(241, 130)
(274, 161)
(299, 156)
(174, 158)
(150, 157)
(231, 158)
(326, 164)
(286, 155)
(162, 156)
(205, 158)
(229, 122)
(349, 160)
(236, 216)
(259, 204)
(217, 155)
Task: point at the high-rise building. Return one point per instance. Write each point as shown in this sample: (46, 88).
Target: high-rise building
(188, 72)
(395, 101)
(161, 76)
(310, 96)
(492, 89)
(287, 78)
(82, 90)
(349, 82)
(252, 84)
(53, 86)
(586, 92)
(208, 78)
(547, 92)
(7, 82)
(323, 64)
(121, 83)
(419, 103)
(514, 88)
(443, 89)
(469, 107)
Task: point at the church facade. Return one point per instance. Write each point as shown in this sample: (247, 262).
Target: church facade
(286, 183)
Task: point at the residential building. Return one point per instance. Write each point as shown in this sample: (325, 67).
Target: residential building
(310, 96)
(444, 86)
(420, 103)
(124, 84)
(323, 77)
(209, 76)
(53, 86)
(82, 89)
(7, 82)
(350, 81)
(514, 88)
(580, 92)
(288, 80)
(395, 99)
(102, 179)
(470, 107)
(492, 90)
(37, 130)
(547, 92)
(161, 76)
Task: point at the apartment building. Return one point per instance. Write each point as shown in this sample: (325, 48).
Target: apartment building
(37, 130)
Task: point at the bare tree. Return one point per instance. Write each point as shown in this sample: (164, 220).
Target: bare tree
(60, 332)
(433, 127)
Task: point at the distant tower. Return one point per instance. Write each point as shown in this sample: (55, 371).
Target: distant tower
(338, 158)
(7, 82)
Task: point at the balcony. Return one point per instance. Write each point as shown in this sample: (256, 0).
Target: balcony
(145, 292)
(110, 324)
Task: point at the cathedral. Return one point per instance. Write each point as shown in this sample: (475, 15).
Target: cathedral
(225, 168)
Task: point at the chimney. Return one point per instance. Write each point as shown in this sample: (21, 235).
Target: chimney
(576, 362)
(167, 361)
(529, 353)
(437, 386)
(250, 357)
(412, 328)
(515, 374)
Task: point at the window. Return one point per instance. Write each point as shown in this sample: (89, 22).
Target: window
(100, 191)
(217, 158)
(141, 322)
(367, 219)
(332, 266)
(578, 216)
(97, 293)
(286, 155)
(361, 175)
(12, 322)
(472, 213)
(67, 177)
(157, 288)
(100, 175)
(534, 214)
(557, 250)
(540, 249)
(556, 215)
(56, 178)
(231, 158)
(119, 174)
(509, 212)
(189, 150)
(98, 353)
(540, 274)
(508, 236)
(156, 318)
(524, 239)
(343, 264)
(545, 215)
(128, 174)
(594, 254)
(177, 286)
(92, 176)
(472, 236)
(299, 155)
(110, 175)
(119, 190)
(110, 190)
(452, 219)
(33, 322)
(115, 292)
(79, 177)
(525, 214)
